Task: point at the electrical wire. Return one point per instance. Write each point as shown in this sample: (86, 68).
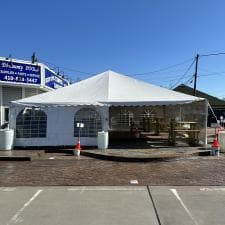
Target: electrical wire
(66, 68)
(190, 80)
(167, 78)
(182, 77)
(163, 69)
(212, 54)
(212, 73)
(155, 71)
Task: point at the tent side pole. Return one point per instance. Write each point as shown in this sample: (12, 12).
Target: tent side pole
(206, 121)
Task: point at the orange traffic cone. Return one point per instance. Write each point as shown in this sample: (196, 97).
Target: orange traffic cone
(215, 146)
(77, 148)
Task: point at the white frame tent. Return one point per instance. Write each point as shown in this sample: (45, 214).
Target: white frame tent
(99, 93)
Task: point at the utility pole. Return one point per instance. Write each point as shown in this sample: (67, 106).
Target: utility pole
(196, 73)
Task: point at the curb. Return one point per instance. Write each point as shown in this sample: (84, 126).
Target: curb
(66, 151)
(127, 159)
(139, 159)
(15, 158)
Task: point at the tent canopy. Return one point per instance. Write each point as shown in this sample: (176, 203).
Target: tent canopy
(109, 88)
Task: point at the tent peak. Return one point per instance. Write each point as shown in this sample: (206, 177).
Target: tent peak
(111, 88)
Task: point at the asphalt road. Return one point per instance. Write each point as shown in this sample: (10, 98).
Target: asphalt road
(112, 205)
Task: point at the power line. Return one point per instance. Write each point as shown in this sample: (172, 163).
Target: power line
(136, 74)
(150, 72)
(190, 80)
(182, 77)
(163, 69)
(212, 73)
(87, 73)
(167, 78)
(66, 68)
(196, 66)
(212, 54)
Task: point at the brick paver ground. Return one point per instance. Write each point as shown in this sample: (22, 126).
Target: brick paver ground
(86, 171)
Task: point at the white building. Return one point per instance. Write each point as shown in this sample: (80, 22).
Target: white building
(20, 79)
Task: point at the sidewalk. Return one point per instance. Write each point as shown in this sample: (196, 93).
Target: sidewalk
(118, 154)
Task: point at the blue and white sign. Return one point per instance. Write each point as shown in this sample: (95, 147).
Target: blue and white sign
(16, 72)
(54, 81)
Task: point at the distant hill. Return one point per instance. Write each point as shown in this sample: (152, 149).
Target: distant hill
(213, 101)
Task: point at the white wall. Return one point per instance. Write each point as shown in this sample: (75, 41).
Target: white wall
(14, 92)
(60, 126)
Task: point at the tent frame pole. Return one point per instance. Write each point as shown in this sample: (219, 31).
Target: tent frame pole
(206, 121)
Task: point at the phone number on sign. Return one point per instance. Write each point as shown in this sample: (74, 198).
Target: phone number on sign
(21, 79)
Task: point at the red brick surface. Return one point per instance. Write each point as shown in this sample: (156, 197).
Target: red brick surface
(191, 171)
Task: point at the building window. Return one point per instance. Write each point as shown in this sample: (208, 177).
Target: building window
(91, 120)
(6, 115)
(31, 123)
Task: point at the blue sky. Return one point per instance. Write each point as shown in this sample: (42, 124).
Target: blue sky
(128, 36)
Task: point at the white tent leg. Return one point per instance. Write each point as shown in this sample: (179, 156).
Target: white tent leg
(206, 120)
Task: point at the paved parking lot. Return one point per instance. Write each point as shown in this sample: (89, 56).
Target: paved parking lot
(112, 205)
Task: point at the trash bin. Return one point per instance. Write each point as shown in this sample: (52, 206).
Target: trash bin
(6, 139)
(103, 140)
(222, 140)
